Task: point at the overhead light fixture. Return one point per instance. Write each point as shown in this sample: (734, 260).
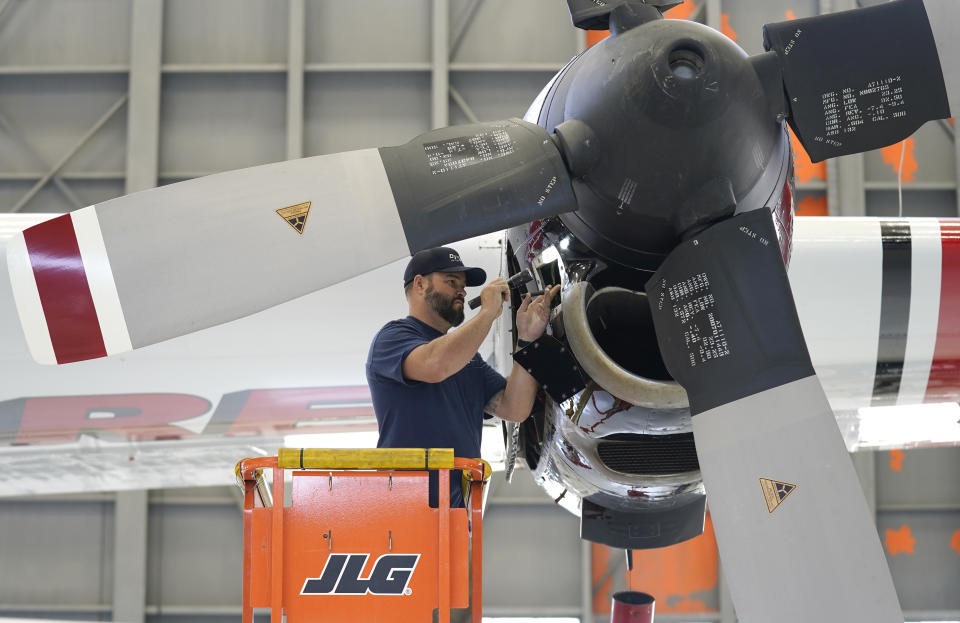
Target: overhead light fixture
(491, 447)
(898, 426)
(550, 254)
(358, 439)
(329, 422)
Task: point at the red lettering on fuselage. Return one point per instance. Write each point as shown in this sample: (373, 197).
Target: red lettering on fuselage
(140, 417)
(283, 411)
(151, 417)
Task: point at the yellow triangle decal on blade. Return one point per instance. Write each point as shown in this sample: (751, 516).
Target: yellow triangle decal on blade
(775, 492)
(296, 215)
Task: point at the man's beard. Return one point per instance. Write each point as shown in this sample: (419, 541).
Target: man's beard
(444, 306)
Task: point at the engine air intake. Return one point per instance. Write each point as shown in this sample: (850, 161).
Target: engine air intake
(649, 454)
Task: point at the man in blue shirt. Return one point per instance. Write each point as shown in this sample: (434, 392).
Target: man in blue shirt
(430, 388)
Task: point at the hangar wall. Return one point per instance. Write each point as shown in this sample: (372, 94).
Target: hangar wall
(102, 97)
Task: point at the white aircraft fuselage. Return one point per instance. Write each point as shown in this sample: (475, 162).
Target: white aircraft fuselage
(882, 326)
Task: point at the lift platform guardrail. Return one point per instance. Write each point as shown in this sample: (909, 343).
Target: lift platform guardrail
(358, 541)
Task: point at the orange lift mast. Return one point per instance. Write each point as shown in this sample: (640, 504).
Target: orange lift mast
(358, 540)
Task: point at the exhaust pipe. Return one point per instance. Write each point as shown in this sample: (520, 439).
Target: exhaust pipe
(632, 607)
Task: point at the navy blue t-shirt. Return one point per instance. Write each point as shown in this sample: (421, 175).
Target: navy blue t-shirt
(415, 414)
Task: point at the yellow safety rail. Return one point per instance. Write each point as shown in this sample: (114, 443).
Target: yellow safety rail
(373, 458)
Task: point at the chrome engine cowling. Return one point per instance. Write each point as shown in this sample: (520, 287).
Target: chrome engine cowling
(619, 453)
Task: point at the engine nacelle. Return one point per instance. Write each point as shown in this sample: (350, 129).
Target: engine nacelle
(619, 453)
(694, 139)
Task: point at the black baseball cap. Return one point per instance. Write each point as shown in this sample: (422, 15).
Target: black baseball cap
(441, 260)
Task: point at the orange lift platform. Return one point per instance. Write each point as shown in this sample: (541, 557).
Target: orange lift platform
(358, 542)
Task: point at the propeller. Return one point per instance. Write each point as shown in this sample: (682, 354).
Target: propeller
(850, 89)
(662, 149)
(169, 261)
(789, 513)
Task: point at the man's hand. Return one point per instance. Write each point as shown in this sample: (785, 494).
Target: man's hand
(493, 295)
(518, 396)
(533, 315)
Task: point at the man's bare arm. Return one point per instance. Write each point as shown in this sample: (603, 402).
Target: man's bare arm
(516, 400)
(493, 405)
(448, 354)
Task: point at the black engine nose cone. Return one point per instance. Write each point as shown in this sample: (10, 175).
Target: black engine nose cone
(684, 130)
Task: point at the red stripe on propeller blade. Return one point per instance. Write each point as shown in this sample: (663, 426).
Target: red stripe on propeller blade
(64, 291)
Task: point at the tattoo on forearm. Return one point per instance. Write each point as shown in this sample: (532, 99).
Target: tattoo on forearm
(494, 405)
